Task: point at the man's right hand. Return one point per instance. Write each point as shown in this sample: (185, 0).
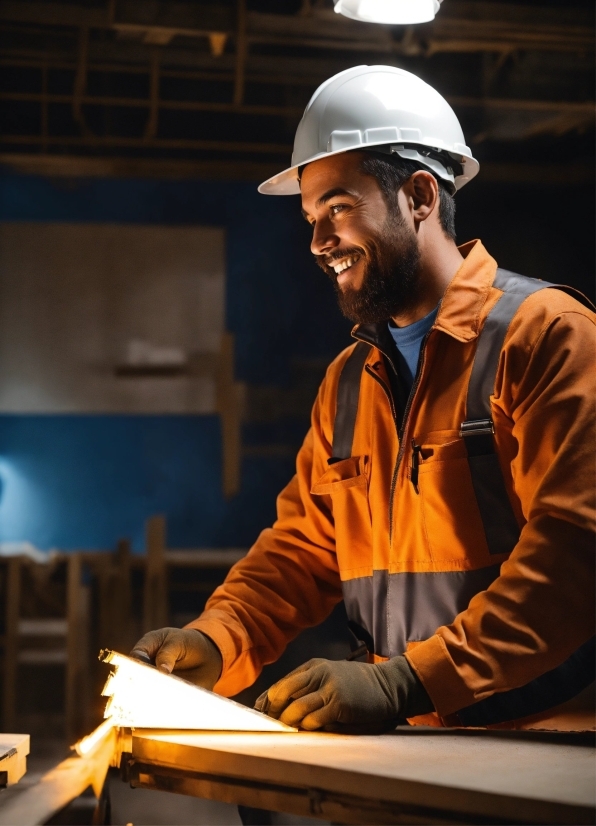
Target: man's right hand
(185, 651)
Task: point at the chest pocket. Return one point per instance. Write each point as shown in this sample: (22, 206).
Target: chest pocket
(452, 525)
(346, 485)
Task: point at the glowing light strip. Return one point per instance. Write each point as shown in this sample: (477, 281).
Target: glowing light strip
(88, 743)
(140, 696)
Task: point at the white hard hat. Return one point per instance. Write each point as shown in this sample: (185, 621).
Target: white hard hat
(384, 108)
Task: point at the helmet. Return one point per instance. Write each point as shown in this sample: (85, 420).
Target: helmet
(385, 109)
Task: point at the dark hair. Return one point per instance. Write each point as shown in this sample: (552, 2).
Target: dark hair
(391, 173)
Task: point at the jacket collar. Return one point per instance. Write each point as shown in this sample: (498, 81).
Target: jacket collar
(461, 309)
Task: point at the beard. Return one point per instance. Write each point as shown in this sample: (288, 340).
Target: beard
(391, 283)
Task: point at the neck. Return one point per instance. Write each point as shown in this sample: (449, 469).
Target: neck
(438, 264)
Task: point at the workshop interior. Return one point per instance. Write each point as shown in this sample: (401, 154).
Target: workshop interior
(164, 331)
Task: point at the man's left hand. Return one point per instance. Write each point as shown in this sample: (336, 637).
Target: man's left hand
(346, 696)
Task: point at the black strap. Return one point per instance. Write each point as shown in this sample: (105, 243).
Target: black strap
(500, 525)
(348, 392)
(547, 691)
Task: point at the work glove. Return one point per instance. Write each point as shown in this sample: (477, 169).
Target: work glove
(187, 652)
(349, 697)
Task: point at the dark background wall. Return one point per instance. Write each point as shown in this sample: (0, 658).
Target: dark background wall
(83, 481)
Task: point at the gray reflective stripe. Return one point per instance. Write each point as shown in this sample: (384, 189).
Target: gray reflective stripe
(516, 288)
(500, 525)
(365, 599)
(348, 391)
(407, 607)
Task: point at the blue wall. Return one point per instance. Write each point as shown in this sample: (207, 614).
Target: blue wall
(85, 481)
(81, 481)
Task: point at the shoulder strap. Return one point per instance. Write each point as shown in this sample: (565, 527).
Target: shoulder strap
(348, 392)
(500, 525)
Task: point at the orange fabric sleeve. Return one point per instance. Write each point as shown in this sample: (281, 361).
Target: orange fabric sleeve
(541, 607)
(289, 580)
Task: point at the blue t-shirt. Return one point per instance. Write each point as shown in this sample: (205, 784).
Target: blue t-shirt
(408, 341)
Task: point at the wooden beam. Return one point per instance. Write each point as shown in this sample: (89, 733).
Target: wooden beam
(11, 642)
(155, 597)
(229, 408)
(155, 143)
(80, 82)
(72, 166)
(241, 53)
(77, 660)
(154, 102)
(38, 801)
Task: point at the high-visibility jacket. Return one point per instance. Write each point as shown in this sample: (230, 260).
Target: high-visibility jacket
(411, 560)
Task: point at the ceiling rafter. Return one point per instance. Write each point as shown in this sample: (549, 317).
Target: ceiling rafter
(262, 68)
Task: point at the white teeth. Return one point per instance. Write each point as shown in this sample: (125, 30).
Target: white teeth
(343, 265)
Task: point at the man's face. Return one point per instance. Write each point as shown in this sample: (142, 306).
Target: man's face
(368, 249)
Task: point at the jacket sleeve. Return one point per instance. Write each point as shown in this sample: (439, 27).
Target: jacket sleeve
(289, 580)
(541, 607)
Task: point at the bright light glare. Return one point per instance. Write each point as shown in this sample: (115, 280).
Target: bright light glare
(89, 742)
(140, 696)
(395, 12)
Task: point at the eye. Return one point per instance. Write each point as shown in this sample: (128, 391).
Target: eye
(336, 208)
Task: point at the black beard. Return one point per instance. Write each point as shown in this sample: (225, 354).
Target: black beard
(391, 283)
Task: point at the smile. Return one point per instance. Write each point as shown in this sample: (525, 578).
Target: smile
(344, 263)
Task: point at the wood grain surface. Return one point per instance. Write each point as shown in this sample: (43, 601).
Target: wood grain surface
(479, 776)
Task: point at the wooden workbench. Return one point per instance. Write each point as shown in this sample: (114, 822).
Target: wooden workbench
(409, 776)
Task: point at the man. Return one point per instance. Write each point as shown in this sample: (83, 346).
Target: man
(445, 487)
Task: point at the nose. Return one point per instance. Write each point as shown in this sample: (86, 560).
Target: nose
(323, 238)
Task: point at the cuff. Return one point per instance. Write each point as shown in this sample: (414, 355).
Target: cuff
(437, 672)
(227, 643)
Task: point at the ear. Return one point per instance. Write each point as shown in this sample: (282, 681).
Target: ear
(422, 192)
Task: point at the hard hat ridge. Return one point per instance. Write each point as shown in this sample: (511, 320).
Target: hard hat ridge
(384, 108)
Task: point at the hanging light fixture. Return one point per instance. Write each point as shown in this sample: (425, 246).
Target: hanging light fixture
(394, 12)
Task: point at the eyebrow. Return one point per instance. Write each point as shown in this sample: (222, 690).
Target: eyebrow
(327, 196)
(331, 193)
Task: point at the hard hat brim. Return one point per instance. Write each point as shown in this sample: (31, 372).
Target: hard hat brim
(287, 183)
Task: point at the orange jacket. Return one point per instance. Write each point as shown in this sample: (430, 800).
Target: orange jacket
(413, 565)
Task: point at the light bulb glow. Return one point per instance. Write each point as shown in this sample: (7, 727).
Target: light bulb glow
(392, 12)
(141, 696)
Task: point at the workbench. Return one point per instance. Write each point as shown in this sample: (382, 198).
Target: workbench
(412, 775)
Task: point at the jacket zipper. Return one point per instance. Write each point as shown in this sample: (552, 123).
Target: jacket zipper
(380, 381)
(402, 431)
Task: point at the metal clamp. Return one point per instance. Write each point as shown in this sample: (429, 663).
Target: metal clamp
(477, 427)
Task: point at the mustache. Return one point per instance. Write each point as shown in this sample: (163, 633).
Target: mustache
(325, 261)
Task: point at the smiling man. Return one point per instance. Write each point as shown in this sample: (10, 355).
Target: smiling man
(445, 487)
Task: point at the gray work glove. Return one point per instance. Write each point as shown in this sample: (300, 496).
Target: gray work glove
(185, 651)
(350, 697)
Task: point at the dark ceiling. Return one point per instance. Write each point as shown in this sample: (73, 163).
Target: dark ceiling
(185, 88)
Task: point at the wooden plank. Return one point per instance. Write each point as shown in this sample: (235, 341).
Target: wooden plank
(77, 659)
(14, 749)
(155, 598)
(205, 557)
(11, 646)
(305, 802)
(38, 802)
(229, 408)
(478, 776)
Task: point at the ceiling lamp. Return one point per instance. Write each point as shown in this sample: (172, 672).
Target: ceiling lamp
(394, 12)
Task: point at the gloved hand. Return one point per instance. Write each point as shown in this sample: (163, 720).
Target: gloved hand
(342, 696)
(186, 651)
